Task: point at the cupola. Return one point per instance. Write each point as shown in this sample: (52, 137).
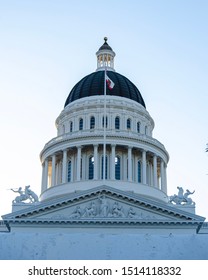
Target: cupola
(105, 57)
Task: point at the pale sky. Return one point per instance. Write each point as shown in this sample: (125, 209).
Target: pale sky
(46, 46)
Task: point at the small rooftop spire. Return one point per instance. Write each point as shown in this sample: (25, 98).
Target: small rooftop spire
(105, 57)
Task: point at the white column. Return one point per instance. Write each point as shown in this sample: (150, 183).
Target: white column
(151, 175)
(129, 163)
(45, 175)
(163, 177)
(113, 155)
(162, 174)
(64, 166)
(53, 170)
(95, 162)
(155, 184)
(144, 167)
(78, 162)
(84, 166)
(72, 168)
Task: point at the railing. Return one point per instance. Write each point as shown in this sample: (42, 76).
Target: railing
(109, 133)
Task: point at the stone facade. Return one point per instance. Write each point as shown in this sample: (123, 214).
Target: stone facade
(104, 188)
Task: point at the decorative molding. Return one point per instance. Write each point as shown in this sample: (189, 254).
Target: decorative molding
(86, 137)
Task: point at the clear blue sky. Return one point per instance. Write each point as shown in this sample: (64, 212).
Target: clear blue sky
(48, 46)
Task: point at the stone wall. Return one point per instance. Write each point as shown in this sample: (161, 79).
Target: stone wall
(43, 246)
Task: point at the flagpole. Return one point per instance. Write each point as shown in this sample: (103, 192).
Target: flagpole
(104, 129)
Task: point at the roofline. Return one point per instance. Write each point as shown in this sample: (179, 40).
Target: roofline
(52, 203)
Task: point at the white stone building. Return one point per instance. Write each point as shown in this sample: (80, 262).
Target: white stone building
(104, 184)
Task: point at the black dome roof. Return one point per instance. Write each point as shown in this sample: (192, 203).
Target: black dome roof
(93, 84)
(105, 46)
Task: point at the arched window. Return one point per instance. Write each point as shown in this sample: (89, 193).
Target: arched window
(81, 124)
(71, 126)
(106, 167)
(138, 127)
(117, 168)
(69, 171)
(128, 124)
(146, 130)
(117, 123)
(106, 121)
(91, 168)
(92, 122)
(139, 171)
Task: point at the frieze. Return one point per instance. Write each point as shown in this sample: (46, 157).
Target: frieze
(103, 207)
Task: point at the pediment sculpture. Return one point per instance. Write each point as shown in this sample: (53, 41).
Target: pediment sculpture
(25, 196)
(103, 207)
(182, 198)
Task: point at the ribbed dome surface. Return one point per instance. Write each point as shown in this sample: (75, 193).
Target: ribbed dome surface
(93, 84)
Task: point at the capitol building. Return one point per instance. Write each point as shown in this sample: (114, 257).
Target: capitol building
(104, 188)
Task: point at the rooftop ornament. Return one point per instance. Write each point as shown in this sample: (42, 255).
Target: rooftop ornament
(182, 198)
(26, 195)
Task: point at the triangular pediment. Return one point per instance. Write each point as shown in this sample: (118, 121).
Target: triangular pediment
(103, 204)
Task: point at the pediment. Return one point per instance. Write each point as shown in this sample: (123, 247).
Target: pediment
(102, 204)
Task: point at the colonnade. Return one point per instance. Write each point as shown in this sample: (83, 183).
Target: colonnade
(135, 165)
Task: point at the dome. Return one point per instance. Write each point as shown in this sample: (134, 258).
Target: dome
(93, 84)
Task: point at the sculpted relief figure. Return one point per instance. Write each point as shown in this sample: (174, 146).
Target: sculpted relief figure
(132, 213)
(90, 211)
(77, 213)
(103, 206)
(117, 210)
(25, 195)
(182, 198)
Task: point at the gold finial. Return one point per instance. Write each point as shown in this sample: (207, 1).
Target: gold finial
(105, 39)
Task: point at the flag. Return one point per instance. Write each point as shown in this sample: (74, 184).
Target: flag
(109, 82)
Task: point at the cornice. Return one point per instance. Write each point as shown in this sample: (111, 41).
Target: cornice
(88, 135)
(105, 221)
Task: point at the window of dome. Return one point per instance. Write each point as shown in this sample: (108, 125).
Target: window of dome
(128, 124)
(117, 168)
(117, 123)
(81, 124)
(69, 171)
(92, 122)
(91, 167)
(139, 171)
(138, 127)
(71, 126)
